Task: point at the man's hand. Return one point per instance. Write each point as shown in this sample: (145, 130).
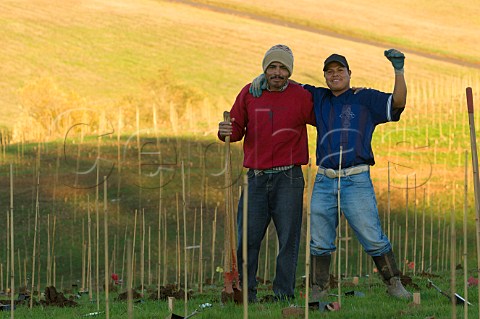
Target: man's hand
(225, 128)
(397, 58)
(258, 85)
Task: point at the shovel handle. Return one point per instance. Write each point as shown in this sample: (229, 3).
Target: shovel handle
(226, 118)
(469, 100)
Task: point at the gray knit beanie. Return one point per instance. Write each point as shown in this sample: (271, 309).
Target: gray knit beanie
(279, 53)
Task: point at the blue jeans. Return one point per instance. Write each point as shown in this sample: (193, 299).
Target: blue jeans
(277, 197)
(357, 203)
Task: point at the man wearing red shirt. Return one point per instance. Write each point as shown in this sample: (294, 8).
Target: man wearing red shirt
(275, 146)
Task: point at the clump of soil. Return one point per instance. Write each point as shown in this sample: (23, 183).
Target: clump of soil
(170, 291)
(124, 295)
(57, 299)
(407, 281)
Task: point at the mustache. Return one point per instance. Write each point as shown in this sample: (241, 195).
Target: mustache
(273, 77)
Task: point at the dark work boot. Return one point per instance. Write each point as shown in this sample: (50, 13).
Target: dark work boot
(319, 276)
(387, 267)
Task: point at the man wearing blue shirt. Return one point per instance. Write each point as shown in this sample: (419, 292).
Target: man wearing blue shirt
(346, 120)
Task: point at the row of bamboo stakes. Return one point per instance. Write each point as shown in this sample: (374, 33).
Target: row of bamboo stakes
(51, 257)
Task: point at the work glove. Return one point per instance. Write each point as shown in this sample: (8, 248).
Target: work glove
(397, 58)
(258, 85)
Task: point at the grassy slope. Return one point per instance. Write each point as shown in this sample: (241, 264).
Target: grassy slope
(439, 27)
(105, 51)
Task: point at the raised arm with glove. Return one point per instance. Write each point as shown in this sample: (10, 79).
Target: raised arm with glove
(397, 59)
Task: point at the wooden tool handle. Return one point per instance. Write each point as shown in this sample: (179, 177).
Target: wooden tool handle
(469, 100)
(226, 116)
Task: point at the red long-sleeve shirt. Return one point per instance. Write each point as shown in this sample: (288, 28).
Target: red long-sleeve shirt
(274, 126)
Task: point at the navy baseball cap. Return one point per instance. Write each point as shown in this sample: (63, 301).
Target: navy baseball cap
(335, 58)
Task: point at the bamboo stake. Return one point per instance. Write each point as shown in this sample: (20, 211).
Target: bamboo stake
(204, 201)
(123, 256)
(133, 248)
(54, 271)
(339, 212)
(416, 223)
(84, 253)
(38, 257)
(97, 243)
(89, 261)
(34, 242)
(165, 252)
(346, 247)
(113, 260)
(1, 278)
(405, 254)
(277, 251)
(149, 255)
(431, 241)
(192, 272)
(75, 183)
(439, 231)
(265, 269)
(307, 242)
(423, 231)
(7, 283)
(245, 247)
(19, 261)
(119, 166)
(129, 279)
(142, 254)
(53, 239)
(159, 243)
(155, 128)
(12, 249)
(388, 200)
(139, 154)
(400, 243)
(200, 253)
(84, 264)
(105, 224)
(394, 236)
(360, 260)
(214, 232)
(185, 261)
(49, 257)
(453, 245)
(178, 255)
(24, 270)
(444, 241)
(465, 238)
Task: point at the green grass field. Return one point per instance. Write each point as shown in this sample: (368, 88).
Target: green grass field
(155, 76)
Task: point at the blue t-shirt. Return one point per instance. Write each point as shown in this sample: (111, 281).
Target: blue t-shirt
(349, 120)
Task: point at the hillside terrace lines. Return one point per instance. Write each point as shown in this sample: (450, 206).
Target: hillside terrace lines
(324, 32)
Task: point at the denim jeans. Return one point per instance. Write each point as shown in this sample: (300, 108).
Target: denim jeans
(359, 206)
(277, 197)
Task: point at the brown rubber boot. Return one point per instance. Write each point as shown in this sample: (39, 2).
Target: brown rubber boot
(387, 267)
(319, 276)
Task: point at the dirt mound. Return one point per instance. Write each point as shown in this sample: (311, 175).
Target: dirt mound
(124, 295)
(169, 291)
(57, 299)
